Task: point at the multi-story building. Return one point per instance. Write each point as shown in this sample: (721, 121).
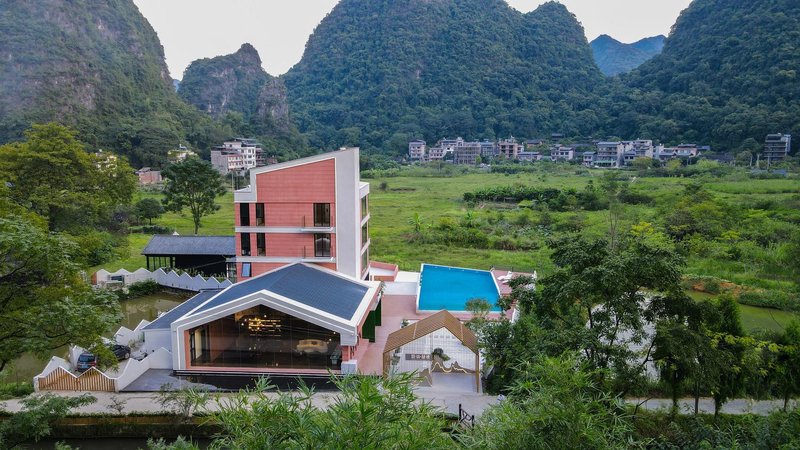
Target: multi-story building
(467, 154)
(588, 159)
(488, 150)
(529, 156)
(312, 210)
(559, 152)
(610, 154)
(450, 144)
(416, 150)
(643, 148)
(509, 148)
(437, 153)
(777, 147)
(227, 161)
(238, 155)
(682, 151)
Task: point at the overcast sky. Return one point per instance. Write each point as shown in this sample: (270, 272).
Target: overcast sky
(278, 29)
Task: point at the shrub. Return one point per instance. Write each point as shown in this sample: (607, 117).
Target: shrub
(140, 289)
(770, 299)
(14, 390)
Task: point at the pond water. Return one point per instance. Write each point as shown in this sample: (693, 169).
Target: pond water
(133, 311)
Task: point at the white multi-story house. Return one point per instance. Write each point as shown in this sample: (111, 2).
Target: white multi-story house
(561, 153)
(417, 150)
(777, 147)
(238, 155)
(610, 154)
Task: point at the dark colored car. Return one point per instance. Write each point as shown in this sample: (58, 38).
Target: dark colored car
(121, 351)
(87, 360)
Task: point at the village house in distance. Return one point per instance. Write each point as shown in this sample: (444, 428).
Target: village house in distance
(601, 154)
(238, 156)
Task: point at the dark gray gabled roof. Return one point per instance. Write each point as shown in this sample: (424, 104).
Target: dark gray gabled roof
(167, 245)
(306, 284)
(165, 320)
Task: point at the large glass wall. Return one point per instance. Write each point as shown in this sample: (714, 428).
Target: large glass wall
(263, 338)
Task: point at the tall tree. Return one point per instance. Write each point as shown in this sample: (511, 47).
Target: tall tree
(601, 300)
(149, 208)
(44, 303)
(51, 174)
(192, 184)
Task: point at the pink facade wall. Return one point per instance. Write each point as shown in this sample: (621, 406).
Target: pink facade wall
(288, 196)
(307, 183)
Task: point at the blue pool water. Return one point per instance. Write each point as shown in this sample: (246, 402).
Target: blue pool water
(450, 287)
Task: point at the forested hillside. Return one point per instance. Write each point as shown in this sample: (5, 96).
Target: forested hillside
(97, 66)
(728, 75)
(613, 57)
(376, 73)
(236, 90)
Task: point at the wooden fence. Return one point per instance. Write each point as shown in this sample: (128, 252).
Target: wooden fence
(91, 380)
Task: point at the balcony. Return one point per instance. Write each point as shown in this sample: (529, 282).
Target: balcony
(308, 225)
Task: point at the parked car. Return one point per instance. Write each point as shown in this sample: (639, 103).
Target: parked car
(87, 360)
(121, 351)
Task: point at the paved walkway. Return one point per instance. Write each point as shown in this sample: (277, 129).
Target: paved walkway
(448, 401)
(148, 402)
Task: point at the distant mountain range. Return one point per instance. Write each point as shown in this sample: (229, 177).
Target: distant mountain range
(377, 73)
(613, 57)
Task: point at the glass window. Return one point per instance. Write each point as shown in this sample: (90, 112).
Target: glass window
(364, 234)
(364, 206)
(322, 214)
(259, 214)
(264, 338)
(246, 269)
(244, 214)
(365, 261)
(245, 244)
(322, 245)
(261, 245)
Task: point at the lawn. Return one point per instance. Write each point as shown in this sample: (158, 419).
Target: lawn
(755, 318)
(218, 223)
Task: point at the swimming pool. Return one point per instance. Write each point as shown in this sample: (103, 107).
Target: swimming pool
(449, 288)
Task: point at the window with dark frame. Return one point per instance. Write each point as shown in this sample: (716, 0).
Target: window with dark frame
(259, 214)
(322, 245)
(244, 214)
(261, 244)
(322, 214)
(245, 244)
(364, 206)
(364, 234)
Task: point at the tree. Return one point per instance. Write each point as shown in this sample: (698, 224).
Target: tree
(367, 412)
(33, 422)
(192, 184)
(599, 300)
(44, 303)
(788, 364)
(51, 174)
(553, 404)
(149, 208)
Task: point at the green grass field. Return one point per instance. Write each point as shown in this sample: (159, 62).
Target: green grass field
(395, 200)
(219, 223)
